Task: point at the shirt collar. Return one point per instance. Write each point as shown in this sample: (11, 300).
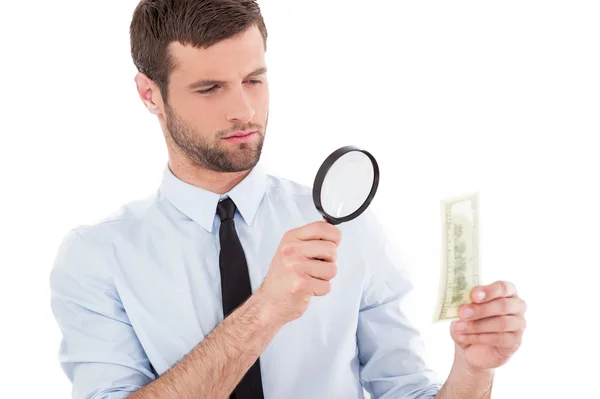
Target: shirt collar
(200, 205)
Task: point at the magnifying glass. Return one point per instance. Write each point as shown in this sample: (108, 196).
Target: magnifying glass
(345, 184)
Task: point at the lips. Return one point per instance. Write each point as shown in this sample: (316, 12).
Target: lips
(240, 134)
(240, 137)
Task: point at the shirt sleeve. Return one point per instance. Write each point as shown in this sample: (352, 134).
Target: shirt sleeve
(391, 350)
(99, 351)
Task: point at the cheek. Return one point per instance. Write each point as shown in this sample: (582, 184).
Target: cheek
(262, 102)
(200, 113)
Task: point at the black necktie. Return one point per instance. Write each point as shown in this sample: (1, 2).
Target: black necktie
(235, 289)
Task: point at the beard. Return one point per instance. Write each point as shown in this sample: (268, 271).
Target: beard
(209, 154)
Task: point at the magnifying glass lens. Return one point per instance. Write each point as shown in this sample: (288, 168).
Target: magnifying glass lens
(345, 184)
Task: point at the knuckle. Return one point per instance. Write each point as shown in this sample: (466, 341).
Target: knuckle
(336, 234)
(333, 251)
(323, 228)
(329, 271)
(330, 232)
(497, 339)
(515, 339)
(503, 324)
(504, 305)
(473, 327)
(294, 266)
(288, 235)
(305, 302)
(333, 270)
(298, 286)
(288, 249)
(523, 305)
(518, 339)
(510, 340)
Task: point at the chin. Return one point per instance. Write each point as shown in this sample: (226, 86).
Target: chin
(241, 165)
(237, 161)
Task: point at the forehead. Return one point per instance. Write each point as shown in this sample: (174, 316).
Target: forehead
(232, 58)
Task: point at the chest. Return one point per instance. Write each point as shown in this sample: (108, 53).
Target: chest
(170, 287)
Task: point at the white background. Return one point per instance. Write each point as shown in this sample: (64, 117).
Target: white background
(451, 97)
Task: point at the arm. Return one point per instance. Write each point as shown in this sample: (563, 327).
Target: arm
(391, 350)
(99, 352)
(103, 358)
(214, 368)
(464, 383)
(489, 331)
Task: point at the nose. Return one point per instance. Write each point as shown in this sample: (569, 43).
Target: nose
(240, 107)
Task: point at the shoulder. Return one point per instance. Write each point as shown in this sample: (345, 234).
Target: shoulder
(85, 249)
(286, 187)
(131, 213)
(289, 197)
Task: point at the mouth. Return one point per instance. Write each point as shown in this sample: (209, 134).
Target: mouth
(240, 137)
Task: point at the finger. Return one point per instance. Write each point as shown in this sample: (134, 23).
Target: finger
(457, 335)
(498, 289)
(497, 307)
(319, 287)
(320, 230)
(490, 325)
(505, 340)
(324, 250)
(320, 269)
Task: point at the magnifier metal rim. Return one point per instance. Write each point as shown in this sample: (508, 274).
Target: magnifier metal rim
(320, 177)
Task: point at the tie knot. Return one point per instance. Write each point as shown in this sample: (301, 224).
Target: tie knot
(226, 209)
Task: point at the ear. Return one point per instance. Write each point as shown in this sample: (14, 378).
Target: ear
(148, 92)
(153, 109)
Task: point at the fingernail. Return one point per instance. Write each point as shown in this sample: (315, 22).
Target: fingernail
(461, 326)
(480, 296)
(468, 312)
(462, 338)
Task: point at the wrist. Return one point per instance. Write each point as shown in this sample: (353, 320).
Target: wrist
(266, 311)
(472, 374)
(468, 381)
(462, 367)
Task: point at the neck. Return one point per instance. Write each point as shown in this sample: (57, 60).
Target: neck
(216, 182)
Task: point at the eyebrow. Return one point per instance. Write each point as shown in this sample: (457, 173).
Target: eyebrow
(211, 82)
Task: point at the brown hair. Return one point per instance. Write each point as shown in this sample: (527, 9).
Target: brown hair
(200, 23)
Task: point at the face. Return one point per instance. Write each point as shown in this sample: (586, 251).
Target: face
(218, 99)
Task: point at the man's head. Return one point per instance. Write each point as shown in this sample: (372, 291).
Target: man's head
(202, 71)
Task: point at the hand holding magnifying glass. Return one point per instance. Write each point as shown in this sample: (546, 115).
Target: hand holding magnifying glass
(305, 261)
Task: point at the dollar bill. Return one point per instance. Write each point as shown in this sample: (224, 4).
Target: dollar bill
(460, 254)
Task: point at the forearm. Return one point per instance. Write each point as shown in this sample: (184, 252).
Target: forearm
(215, 366)
(464, 383)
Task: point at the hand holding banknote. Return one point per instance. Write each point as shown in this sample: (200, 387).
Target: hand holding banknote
(490, 329)
(491, 318)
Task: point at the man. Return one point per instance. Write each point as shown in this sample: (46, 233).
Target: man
(226, 282)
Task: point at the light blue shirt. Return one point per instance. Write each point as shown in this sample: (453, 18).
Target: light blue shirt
(136, 292)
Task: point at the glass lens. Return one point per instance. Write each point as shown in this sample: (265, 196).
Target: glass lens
(347, 184)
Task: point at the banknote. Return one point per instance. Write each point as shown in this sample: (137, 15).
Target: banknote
(460, 271)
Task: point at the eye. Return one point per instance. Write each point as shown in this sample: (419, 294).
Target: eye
(208, 91)
(255, 82)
